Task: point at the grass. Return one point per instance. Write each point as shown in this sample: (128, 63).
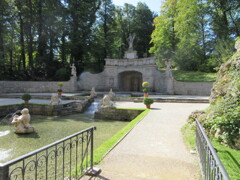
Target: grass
(24, 104)
(230, 158)
(189, 76)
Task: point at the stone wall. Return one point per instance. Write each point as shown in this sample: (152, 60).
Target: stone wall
(117, 114)
(37, 86)
(192, 88)
(48, 110)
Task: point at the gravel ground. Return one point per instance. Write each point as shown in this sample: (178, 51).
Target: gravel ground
(154, 149)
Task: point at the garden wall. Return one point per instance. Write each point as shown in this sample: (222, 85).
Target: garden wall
(37, 86)
(192, 88)
(117, 114)
(48, 110)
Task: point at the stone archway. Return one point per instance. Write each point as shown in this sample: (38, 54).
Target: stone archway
(130, 81)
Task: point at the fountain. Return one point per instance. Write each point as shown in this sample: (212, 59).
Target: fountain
(106, 102)
(8, 117)
(92, 108)
(21, 123)
(55, 99)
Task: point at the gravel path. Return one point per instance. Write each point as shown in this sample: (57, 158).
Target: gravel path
(154, 149)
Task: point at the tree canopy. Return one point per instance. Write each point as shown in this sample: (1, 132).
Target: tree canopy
(197, 35)
(39, 39)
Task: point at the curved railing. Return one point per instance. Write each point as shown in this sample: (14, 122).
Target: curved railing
(211, 166)
(63, 159)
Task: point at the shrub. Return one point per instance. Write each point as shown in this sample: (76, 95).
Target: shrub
(26, 97)
(145, 84)
(60, 84)
(145, 90)
(147, 100)
(62, 74)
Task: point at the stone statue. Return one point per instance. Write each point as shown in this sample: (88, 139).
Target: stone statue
(111, 94)
(130, 41)
(55, 99)
(21, 123)
(93, 93)
(73, 70)
(106, 102)
(237, 45)
(168, 68)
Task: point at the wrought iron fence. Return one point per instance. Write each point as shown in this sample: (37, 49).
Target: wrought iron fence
(211, 166)
(65, 159)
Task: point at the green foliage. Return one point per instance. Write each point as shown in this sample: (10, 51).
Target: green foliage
(223, 116)
(60, 84)
(163, 37)
(145, 84)
(189, 135)
(147, 101)
(26, 97)
(62, 74)
(191, 76)
(230, 158)
(195, 35)
(226, 117)
(145, 90)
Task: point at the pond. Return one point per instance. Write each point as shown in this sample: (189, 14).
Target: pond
(51, 129)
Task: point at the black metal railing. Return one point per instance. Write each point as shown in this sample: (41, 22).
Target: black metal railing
(65, 159)
(211, 166)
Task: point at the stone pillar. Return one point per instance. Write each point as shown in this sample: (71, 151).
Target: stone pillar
(169, 83)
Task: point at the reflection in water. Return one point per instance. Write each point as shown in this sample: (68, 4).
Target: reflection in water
(4, 133)
(5, 154)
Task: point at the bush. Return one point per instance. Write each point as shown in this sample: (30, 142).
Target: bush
(147, 100)
(26, 97)
(145, 84)
(60, 84)
(145, 90)
(62, 74)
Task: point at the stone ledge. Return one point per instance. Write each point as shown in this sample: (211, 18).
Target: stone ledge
(117, 114)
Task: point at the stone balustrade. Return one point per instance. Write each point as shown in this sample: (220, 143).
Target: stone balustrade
(131, 62)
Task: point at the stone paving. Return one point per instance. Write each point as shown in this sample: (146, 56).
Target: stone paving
(154, 149)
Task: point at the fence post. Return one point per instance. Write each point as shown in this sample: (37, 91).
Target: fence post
(92, 148)
(4, 170)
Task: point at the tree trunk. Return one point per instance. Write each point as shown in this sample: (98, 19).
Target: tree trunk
(22, 58)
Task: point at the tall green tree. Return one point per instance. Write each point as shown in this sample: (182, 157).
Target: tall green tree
(104, 32)
(142, 27)
(82, 17)
(164, 35)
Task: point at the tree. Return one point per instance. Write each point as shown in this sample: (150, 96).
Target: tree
(104, 33)
(82, 17)
(164, 36)
(142, 27)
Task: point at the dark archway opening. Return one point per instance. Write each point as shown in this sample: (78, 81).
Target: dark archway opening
(130, 81)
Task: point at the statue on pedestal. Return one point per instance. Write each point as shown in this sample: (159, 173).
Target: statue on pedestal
(106, 102)
(73, 70)
(111, 94)
(93, 93)
(21, 123)
(55, 99)
(130, 41)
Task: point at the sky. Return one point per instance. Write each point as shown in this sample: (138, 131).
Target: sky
(154, 5)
